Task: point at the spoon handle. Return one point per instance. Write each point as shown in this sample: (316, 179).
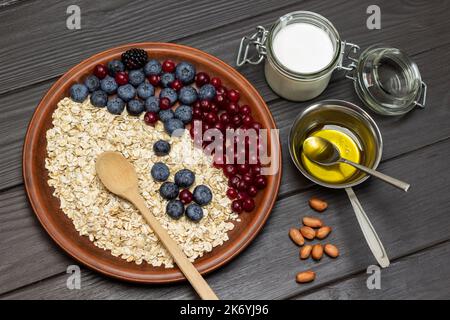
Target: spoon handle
(368, 230)
(392, 181)
(195, 278)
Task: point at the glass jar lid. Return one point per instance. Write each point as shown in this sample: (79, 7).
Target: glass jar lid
(388, 81)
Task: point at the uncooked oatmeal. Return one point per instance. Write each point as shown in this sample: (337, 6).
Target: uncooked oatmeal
(80, 132)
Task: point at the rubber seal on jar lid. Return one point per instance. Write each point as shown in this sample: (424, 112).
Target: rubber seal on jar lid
(388, 81)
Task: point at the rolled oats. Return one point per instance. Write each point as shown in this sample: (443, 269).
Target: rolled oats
(80, 132)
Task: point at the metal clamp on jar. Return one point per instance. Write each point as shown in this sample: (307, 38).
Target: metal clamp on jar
(302, 49)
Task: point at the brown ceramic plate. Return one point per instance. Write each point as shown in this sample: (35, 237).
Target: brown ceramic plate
(60, 227)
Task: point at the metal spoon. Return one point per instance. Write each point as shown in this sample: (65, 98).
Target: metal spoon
(325, 153)
(119, 177)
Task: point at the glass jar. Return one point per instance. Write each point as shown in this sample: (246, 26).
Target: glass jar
(385, 78)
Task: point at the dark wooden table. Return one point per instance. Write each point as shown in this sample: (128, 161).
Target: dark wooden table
(36, 48)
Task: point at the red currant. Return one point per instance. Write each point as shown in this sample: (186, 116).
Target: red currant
(213, 107)
(121, 78)
(234, 181)
(232, 193)
(242, 195)
(201, 79)
(242, 185)
(205, 105)
(154, 80)
(168, 66)
(257, 126)
(260, 182)
(233, 95)
(224, 118)
(220, 100)
(216, 82)
(176, 85)
(232, 108)
(100, 71)
(247, 178)
(212, 118)
(219, 126)
(236, 206)
(255, 170)
(243, 168)
(185, 196)
(229, 170)
(150, 117)
(196, 113)
(236, 120)
(164, 103)
(245, 110)
(247, 120)
(248, 204)
(221, 91)
(252, 191)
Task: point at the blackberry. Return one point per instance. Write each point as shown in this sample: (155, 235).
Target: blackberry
(134, 58)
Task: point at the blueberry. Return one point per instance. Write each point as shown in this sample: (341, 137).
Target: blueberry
(115, 105)
(152, 104)
(187, 95)
(153, 67)
(115, 66)
(185, 72)
(136, 77)
(184, 113)
(169, 190)
(161, 148)
(173, 124)
(207, 92)
(145, 90)
(175, 209)
(169, 93)
(165, 115)
(166, 79)
(108, 84)
(135, 107)
(194, 212)
(126, 92)
(202, 195)
(184, 178)
(99, 98)
(79, 92)
(92, 83)
(160, 172)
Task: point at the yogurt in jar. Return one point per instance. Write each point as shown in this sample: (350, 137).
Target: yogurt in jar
(303, 48)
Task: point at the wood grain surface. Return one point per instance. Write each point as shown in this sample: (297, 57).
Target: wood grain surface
(414, 227)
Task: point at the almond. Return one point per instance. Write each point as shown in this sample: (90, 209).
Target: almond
(305, 276)
(331, 250)
(296, 236)
(323, 232)
(308, 232)
(317, 252)
(312, 222)
(305, 252)
(318, 204)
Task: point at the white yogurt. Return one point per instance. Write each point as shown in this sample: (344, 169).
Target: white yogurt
(303, 48)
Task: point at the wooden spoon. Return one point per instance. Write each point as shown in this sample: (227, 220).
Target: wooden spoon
(119, 177)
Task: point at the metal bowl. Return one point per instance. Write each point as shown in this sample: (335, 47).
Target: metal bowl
(356, 123)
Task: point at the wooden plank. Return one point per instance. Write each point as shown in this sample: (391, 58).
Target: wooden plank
(267, 269)
(400, 134)
(104, 24)
(52, 41)
(419, 276)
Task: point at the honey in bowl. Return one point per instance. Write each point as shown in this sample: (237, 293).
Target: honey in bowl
(348, 147)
